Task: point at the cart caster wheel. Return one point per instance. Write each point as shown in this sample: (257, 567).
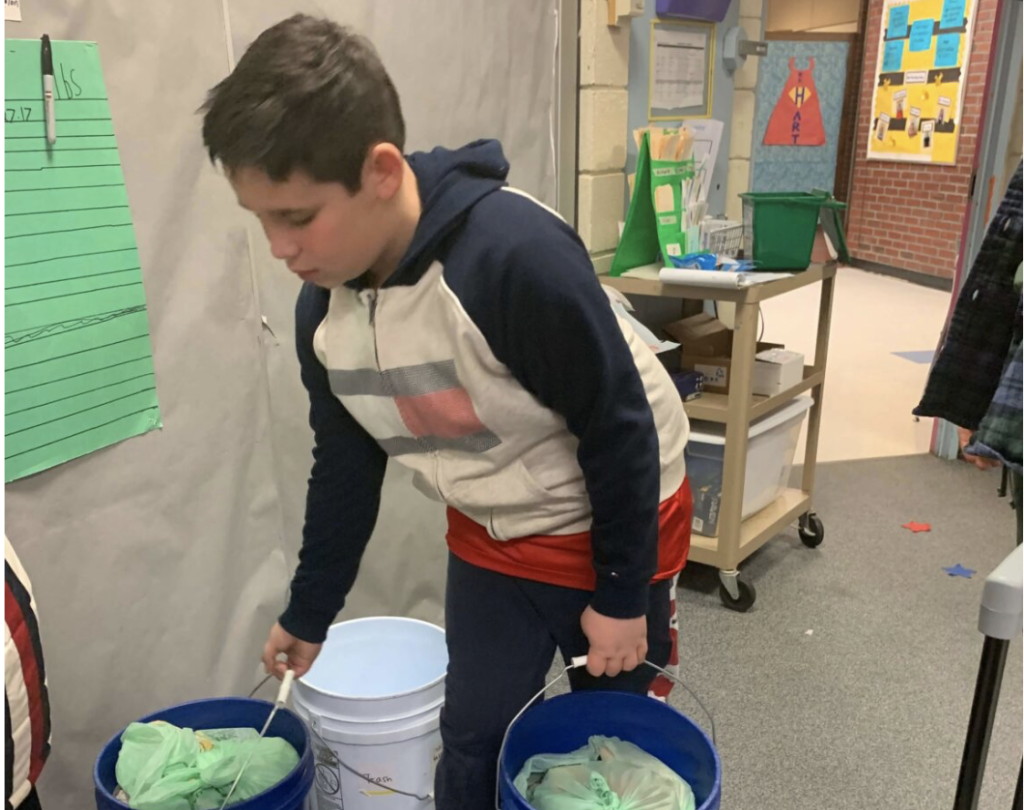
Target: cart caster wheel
(812, 532)
(743, 602)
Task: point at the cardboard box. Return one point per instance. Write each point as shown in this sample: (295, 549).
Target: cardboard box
(715, 370)
(776, 370)
(702, 335)
(707, 348)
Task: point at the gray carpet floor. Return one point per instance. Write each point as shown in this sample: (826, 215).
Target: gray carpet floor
(870, 709)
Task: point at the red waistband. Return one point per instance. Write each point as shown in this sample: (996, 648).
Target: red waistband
(566, 559)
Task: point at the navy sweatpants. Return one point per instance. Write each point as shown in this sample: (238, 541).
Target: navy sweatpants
(502, 636)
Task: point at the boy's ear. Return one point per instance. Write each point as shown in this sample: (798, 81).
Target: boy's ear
(384, 170)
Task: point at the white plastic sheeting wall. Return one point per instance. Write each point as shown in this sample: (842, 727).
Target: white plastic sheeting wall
(160, 563)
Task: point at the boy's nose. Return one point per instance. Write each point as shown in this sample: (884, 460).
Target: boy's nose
(283, 248)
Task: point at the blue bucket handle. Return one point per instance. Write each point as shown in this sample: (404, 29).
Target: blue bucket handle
(576, 663)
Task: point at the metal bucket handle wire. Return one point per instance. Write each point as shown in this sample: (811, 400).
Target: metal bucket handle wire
(312, 726)
(576, 663)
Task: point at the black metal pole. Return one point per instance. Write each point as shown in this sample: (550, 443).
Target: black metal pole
(1017, 795)
(979, 729)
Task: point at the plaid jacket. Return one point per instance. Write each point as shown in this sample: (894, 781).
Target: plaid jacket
(1000, 433)
(970, 364)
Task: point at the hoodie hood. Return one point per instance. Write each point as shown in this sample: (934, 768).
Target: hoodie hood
(450, 183)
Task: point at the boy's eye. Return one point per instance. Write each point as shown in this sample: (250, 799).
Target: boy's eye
(300, 221)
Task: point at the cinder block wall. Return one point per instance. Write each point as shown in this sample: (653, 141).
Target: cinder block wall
(603, 125)
(743, 106)
(604, 73)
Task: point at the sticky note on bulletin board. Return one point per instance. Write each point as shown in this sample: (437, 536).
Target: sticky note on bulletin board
(898, 19)
(921, 35)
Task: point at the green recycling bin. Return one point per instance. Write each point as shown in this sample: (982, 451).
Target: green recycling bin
(779, 227)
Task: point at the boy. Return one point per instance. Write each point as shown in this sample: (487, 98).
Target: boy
(456, 326)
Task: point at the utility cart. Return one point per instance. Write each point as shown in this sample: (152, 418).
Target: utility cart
(737, 538)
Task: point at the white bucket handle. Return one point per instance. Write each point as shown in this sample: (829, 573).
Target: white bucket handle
(576, 663)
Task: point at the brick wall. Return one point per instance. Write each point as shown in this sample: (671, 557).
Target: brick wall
(901, 214)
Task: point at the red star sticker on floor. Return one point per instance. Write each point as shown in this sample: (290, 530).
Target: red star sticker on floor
(916, 527)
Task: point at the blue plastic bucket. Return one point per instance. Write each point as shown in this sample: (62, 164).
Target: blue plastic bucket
(566, 722)
(224, 713)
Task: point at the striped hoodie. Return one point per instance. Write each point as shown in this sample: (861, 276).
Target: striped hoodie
(492, 365)
(26, 698)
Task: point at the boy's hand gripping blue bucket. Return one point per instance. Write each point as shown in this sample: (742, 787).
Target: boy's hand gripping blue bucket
(565, 723)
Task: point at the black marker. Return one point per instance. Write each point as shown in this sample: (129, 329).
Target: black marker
(51, 118)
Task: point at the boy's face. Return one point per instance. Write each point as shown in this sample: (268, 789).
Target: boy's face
(324, 233)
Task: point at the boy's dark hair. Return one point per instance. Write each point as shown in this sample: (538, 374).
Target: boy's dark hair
(308, 94)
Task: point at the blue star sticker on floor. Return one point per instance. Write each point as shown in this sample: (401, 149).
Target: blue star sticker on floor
(959, 571)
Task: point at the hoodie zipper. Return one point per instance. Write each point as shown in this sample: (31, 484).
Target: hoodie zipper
(371, 303)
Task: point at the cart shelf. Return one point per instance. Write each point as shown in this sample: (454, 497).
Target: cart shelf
(757, 529)
(715, 407)
(648, 284)
(738, 538)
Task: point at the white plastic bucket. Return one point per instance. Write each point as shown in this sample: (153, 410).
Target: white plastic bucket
(374, 698)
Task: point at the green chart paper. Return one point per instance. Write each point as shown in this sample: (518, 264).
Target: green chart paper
(78, 365)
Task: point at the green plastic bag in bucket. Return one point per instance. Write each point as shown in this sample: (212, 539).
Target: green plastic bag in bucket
(164, 767)
(544, 732)
(606, 774)
(240, 717)
(779, 227)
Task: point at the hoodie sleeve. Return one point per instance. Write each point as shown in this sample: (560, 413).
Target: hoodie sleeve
(343, 497)
(545, 316)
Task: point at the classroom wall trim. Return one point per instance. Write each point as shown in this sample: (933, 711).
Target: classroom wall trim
(921, 279)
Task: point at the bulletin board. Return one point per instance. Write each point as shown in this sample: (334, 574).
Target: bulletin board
(799, 168)
(680, 71)
(923, 53)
